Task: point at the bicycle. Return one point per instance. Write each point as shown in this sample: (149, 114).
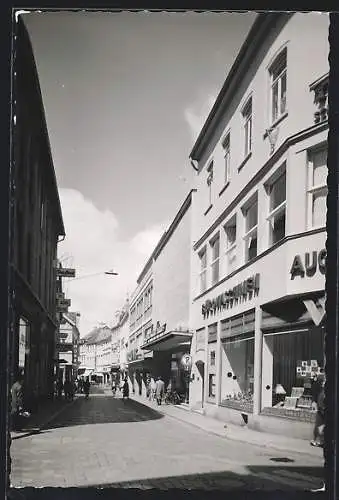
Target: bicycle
(172, 397)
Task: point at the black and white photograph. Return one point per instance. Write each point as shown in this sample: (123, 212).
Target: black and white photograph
(168, 250)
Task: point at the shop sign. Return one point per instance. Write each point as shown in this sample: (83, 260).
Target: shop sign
(228, 299)
(65, 272)
(186, 361)
(312, 262)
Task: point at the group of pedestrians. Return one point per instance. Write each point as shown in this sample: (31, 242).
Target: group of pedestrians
(123, 387)
(156, 390)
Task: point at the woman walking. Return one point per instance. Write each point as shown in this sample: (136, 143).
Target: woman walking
(87, 385)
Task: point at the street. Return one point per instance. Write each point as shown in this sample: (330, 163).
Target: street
(110, 442)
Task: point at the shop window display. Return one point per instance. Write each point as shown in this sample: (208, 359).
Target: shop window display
(238, 371)
(291, 365)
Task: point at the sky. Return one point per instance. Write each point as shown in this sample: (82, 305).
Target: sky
(125, 96)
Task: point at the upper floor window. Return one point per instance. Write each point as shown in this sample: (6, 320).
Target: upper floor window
(250, 212)
(215, 249)
(209, 181)
(227, 157)
(247, 116)
(317, 187)
(203, 269)
(278, 75)
(231, 244)
(277, 208)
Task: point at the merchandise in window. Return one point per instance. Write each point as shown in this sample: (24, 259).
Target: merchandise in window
(317, 189)
(251, 224)
(277, 207)
(292, 364)
(238, 369)
(278, 74)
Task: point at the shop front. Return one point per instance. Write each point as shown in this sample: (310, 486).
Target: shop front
(259, 348)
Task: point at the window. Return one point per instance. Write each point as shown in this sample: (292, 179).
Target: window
(215, 248)
(277, 209)
(278, 75)
(231, 244)
(211, 385)
(212, 358)
(227, 158)
(317, 188)
(251, 225)
(203, 269)
(238, 365)
(247, 116)
(209, 181)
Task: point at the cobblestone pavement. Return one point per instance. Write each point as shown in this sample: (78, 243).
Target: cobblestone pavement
(108, 442)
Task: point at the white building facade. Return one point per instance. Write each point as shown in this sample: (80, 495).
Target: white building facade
(258, 231)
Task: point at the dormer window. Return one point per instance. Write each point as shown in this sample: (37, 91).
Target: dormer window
(320, 89)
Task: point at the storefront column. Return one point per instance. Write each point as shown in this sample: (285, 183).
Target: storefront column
(218, 364)
(257, 361)
(206, 366)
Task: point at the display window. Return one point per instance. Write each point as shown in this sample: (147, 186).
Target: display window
(237, 379)
(291, 365)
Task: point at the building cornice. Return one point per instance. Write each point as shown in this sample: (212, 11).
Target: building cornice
(256, 37)
(290, 141)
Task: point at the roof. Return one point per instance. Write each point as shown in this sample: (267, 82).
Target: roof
(25, 58)
(167, 234)
(256, 37)
(97, 335)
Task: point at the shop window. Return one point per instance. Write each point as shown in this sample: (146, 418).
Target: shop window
(203, 269)
(247, 118)
(251, 229)
(215, 251)
(227, 158)
(277, 208)
(317, 187)
(231, 244)
(238, 369)
(211, 385)
(278, 77)
(291, 361)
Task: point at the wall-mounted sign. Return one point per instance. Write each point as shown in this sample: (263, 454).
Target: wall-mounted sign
(244, 291)
(186, 361)
(63, 305)
(60, 295)
(160, 328)
(312, 261)
(64, 272)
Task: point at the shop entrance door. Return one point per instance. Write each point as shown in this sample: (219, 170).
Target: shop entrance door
(201, 369)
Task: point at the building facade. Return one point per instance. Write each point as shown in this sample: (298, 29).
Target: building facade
(259, 215)
(170, 339)
(96, 354)
(68, 346)
(37, 225)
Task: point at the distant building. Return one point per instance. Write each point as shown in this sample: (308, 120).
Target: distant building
(37, 225)
(95, 354)
(68, 346)
(259, 216)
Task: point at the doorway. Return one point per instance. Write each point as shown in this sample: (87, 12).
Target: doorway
(201, 369)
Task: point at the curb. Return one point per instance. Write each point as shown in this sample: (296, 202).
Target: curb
(40, 427)
(273, 446)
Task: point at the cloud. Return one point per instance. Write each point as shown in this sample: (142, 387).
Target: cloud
(196, 114)
(93, 246)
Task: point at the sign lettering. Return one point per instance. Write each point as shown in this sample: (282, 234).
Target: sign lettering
(312, 261)
(64, 272)
(230, 297)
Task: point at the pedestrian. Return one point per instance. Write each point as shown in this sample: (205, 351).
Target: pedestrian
(59, 388)
(159, 390)
(17, 401)
(153, 388)
(87, 387)
(318, 430)
(125, 390)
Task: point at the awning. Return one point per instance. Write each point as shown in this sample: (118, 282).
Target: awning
(169, 341)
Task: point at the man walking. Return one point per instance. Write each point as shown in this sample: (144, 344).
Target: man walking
(159, 390)
(17, 401)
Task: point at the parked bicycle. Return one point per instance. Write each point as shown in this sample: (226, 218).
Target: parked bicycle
(172, 397)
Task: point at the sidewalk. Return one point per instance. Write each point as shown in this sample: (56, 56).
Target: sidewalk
(47, 412)
(233, 432)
